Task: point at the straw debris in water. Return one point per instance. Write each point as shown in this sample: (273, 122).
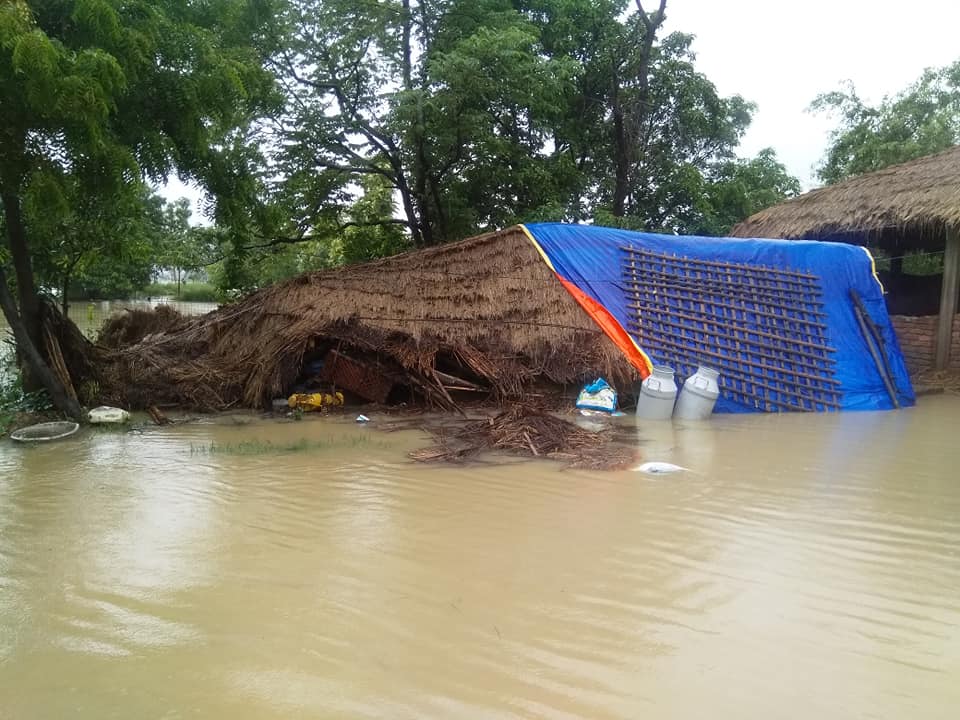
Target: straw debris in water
(526, 432)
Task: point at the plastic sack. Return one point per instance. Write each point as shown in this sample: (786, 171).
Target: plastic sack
(599, 396)
(106, 415)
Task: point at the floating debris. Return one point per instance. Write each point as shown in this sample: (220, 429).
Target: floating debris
(45, 432)
(527, 432)
(659, 468)
(106, 415)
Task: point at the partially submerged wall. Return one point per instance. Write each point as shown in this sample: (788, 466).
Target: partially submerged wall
(918, 341)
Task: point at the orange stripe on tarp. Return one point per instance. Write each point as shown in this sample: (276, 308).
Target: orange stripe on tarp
(614, 330)
(601, 316)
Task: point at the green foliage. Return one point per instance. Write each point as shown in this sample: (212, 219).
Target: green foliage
(87, 244)
(920, 120)
(401, 124)
(188, 292)
(475, 115)
(686, 131)
(736, 189)
(370, 235)
(920, 263)
(97, 94)
(258, 447)
(914, 263)
(245, 270)
(368, 231)
(14, 400)
(180, 248)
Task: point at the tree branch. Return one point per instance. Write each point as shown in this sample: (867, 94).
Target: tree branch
(374, 223)
(366, 170)
(31, 354)
(657, 20)
(307, 238)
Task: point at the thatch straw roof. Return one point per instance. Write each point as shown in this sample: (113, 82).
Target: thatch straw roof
(905, 206)
(490, 302)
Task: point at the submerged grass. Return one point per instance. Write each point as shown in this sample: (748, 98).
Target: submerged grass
(188, 291)
(261, 447)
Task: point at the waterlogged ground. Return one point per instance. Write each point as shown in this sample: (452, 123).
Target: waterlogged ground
(805, 567)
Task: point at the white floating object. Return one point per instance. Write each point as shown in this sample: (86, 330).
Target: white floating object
(362, 419)
(658, 468)
(45, 432)
(107, 415)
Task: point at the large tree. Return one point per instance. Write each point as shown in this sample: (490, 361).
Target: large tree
(920, 120)
(98, 93)
(449, 102)
(477, 114)
(731, 190)
(181, 248)
(88, 242)
(645, 131)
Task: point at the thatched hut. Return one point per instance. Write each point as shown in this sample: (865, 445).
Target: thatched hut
(485, 315)
(912, 206)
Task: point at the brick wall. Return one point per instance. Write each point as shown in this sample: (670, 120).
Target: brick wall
(918, 337)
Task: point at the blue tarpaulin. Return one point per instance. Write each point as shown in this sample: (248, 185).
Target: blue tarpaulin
(592, 259)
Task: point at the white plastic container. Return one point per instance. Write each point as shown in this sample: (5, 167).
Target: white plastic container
(657, 394)
(105, 414)
(698, 395)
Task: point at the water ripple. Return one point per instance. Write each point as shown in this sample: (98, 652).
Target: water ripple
(788, 573)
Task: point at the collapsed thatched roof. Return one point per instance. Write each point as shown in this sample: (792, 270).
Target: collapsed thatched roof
(906, 205)
(490, 300)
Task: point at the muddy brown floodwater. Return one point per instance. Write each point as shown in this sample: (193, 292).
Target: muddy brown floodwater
(808, 567)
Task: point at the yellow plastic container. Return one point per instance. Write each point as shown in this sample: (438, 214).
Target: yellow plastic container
(308, 402)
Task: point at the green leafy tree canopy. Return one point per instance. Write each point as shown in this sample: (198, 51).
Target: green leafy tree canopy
(97, 94)
(922, 119)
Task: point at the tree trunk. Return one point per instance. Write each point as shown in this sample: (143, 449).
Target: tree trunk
(27, 321)
(420, 176)
(651, 27)
(23, 268)
(948, 298)
(406, 46)
(406, 199)
(420, 202)
(625, 127)
(621, 155)
(30, 354)
(64, 303)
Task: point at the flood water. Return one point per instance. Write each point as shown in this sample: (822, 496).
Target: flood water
(807, 567)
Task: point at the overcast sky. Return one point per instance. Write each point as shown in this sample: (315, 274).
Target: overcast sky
(780, 54)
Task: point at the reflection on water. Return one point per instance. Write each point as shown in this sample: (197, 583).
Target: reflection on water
(806, 567)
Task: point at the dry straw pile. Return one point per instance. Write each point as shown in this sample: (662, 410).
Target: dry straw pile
(487, 306)
(903, 206)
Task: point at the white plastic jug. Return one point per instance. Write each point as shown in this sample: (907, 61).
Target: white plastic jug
(657, 394)
(698, 395)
